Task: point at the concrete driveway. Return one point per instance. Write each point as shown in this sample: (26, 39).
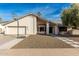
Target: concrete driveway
(5, 38)
(8, 41)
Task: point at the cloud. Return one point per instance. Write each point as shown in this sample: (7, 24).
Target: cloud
(65, 7)
(48, 11)
(43, 10)
(54, 17)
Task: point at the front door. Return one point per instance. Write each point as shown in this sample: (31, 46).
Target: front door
(50, 30)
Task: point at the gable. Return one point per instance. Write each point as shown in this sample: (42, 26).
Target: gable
(22, 21)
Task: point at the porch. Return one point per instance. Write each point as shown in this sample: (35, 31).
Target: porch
(45, 27)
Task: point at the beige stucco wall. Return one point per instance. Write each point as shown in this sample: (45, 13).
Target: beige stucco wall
(75, 32)
(29, 21)
(56, 30)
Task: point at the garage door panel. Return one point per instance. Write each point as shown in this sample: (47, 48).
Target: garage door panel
(13, 30)
(22, 31)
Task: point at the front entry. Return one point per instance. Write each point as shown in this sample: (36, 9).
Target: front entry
(50, 30)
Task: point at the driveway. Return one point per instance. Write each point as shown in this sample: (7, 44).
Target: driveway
(41, 41)
(8, 41)
(5, 38)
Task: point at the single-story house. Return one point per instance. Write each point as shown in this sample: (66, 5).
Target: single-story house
(33, 24)
(30, 24)
(2, 28)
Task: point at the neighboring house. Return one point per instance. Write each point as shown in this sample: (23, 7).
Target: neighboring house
(30, 24)
(2, 28)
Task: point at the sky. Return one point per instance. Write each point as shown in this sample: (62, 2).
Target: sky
(49, 11)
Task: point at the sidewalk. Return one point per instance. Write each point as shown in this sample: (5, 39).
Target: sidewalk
(69, 41)
(40, 52)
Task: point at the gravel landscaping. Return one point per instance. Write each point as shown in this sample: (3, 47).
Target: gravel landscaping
(41, 41)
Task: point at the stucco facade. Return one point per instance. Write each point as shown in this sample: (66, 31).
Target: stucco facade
(28, 22)
(28, 25)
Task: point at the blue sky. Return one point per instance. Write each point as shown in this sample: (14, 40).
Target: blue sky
(50, 11)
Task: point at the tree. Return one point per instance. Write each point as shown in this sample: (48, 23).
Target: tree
(14, 16)
(39, 13)
(70, 16)
(65, 17)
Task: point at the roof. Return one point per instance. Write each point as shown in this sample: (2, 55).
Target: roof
(4, 22)
(25, 16)
(57, 21)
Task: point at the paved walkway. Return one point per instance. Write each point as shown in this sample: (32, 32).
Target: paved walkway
(69, 41)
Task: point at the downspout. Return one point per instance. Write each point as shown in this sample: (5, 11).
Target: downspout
(33, 25)
(17, 29)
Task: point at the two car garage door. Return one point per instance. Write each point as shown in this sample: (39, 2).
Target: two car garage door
(14, 30)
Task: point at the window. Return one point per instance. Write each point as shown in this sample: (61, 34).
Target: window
(62, 28)
(42, 29)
